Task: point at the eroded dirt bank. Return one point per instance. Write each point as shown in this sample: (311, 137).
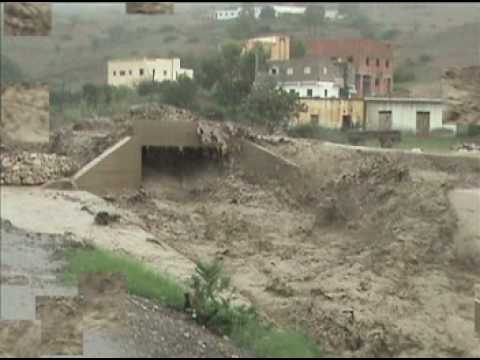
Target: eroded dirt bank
(364, 257)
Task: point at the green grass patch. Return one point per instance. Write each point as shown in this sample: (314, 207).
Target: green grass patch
(267, 342)
(141, 280)
(312, 131)
(241, 325)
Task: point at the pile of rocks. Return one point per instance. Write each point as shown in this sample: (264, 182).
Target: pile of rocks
(468, 147)
(26, 168)
(28, 19)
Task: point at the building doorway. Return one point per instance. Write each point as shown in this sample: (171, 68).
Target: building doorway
(347, 122)
(423, 123)
(385, 120)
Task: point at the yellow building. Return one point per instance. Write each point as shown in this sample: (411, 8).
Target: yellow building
(277, 44)
(331, 113)
(131, 72)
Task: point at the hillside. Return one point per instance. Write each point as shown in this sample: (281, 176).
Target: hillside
(85, 36)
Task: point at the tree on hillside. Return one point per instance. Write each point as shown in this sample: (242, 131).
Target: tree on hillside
(10, 71)
(94, 42)
(180, 93)
(207, 73)
(231, 73)
(270, 106)
(268, 13)
(349, 9)
(314, 16)
(116, 32)
(297, 49)
(242, 27)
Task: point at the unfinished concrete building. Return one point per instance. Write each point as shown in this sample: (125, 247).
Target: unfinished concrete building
(372, 61)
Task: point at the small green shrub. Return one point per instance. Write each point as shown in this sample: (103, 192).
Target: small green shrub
(210, 308)
(192, 40)
(425, 58)
(473, 130)
(312, 131)
(170, 38)
(167, 28)
(404, 74)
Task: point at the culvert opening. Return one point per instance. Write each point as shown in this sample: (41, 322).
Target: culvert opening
(180, 163)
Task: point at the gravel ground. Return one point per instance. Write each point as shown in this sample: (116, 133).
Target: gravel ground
(30, 267)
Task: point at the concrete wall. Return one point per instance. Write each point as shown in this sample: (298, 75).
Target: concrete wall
(166, 133)
(261, 165)
(404, 114)
(331, 111)
(119, 167)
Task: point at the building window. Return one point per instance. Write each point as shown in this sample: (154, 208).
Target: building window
(387, 63)
(325, 93)
(309, 92)
(273, 71)
(292, 91)
(122, 73)
(164, 72)
(129, 72)
(378, 62)
(367, 61)
(377, 82)
(314, 119)
(114, 73)
(350, 59)
(141, 72)
(307, 70)
(290, 71)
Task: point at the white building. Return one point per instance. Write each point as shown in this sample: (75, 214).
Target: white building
(132, 72)
(333, 14)
(310, 77)
(234, 13)
(418, 115)
(286, 9)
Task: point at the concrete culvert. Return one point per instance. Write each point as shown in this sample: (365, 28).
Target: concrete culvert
(180, 174)
(180, 162)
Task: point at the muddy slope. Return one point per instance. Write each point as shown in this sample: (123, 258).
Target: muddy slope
(363, 257)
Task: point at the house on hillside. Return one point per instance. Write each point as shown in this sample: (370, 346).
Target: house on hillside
(288, 10)
(277, 45)
(332, 13)
(311, 77)
(132, 72)
(371, 60)
(418, 115)
(234, 13)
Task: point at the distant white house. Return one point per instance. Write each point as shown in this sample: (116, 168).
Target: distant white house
(133, 71)
(333, 14)
(310, 77)
(418, 115)
(233, 13)
(286, 9)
